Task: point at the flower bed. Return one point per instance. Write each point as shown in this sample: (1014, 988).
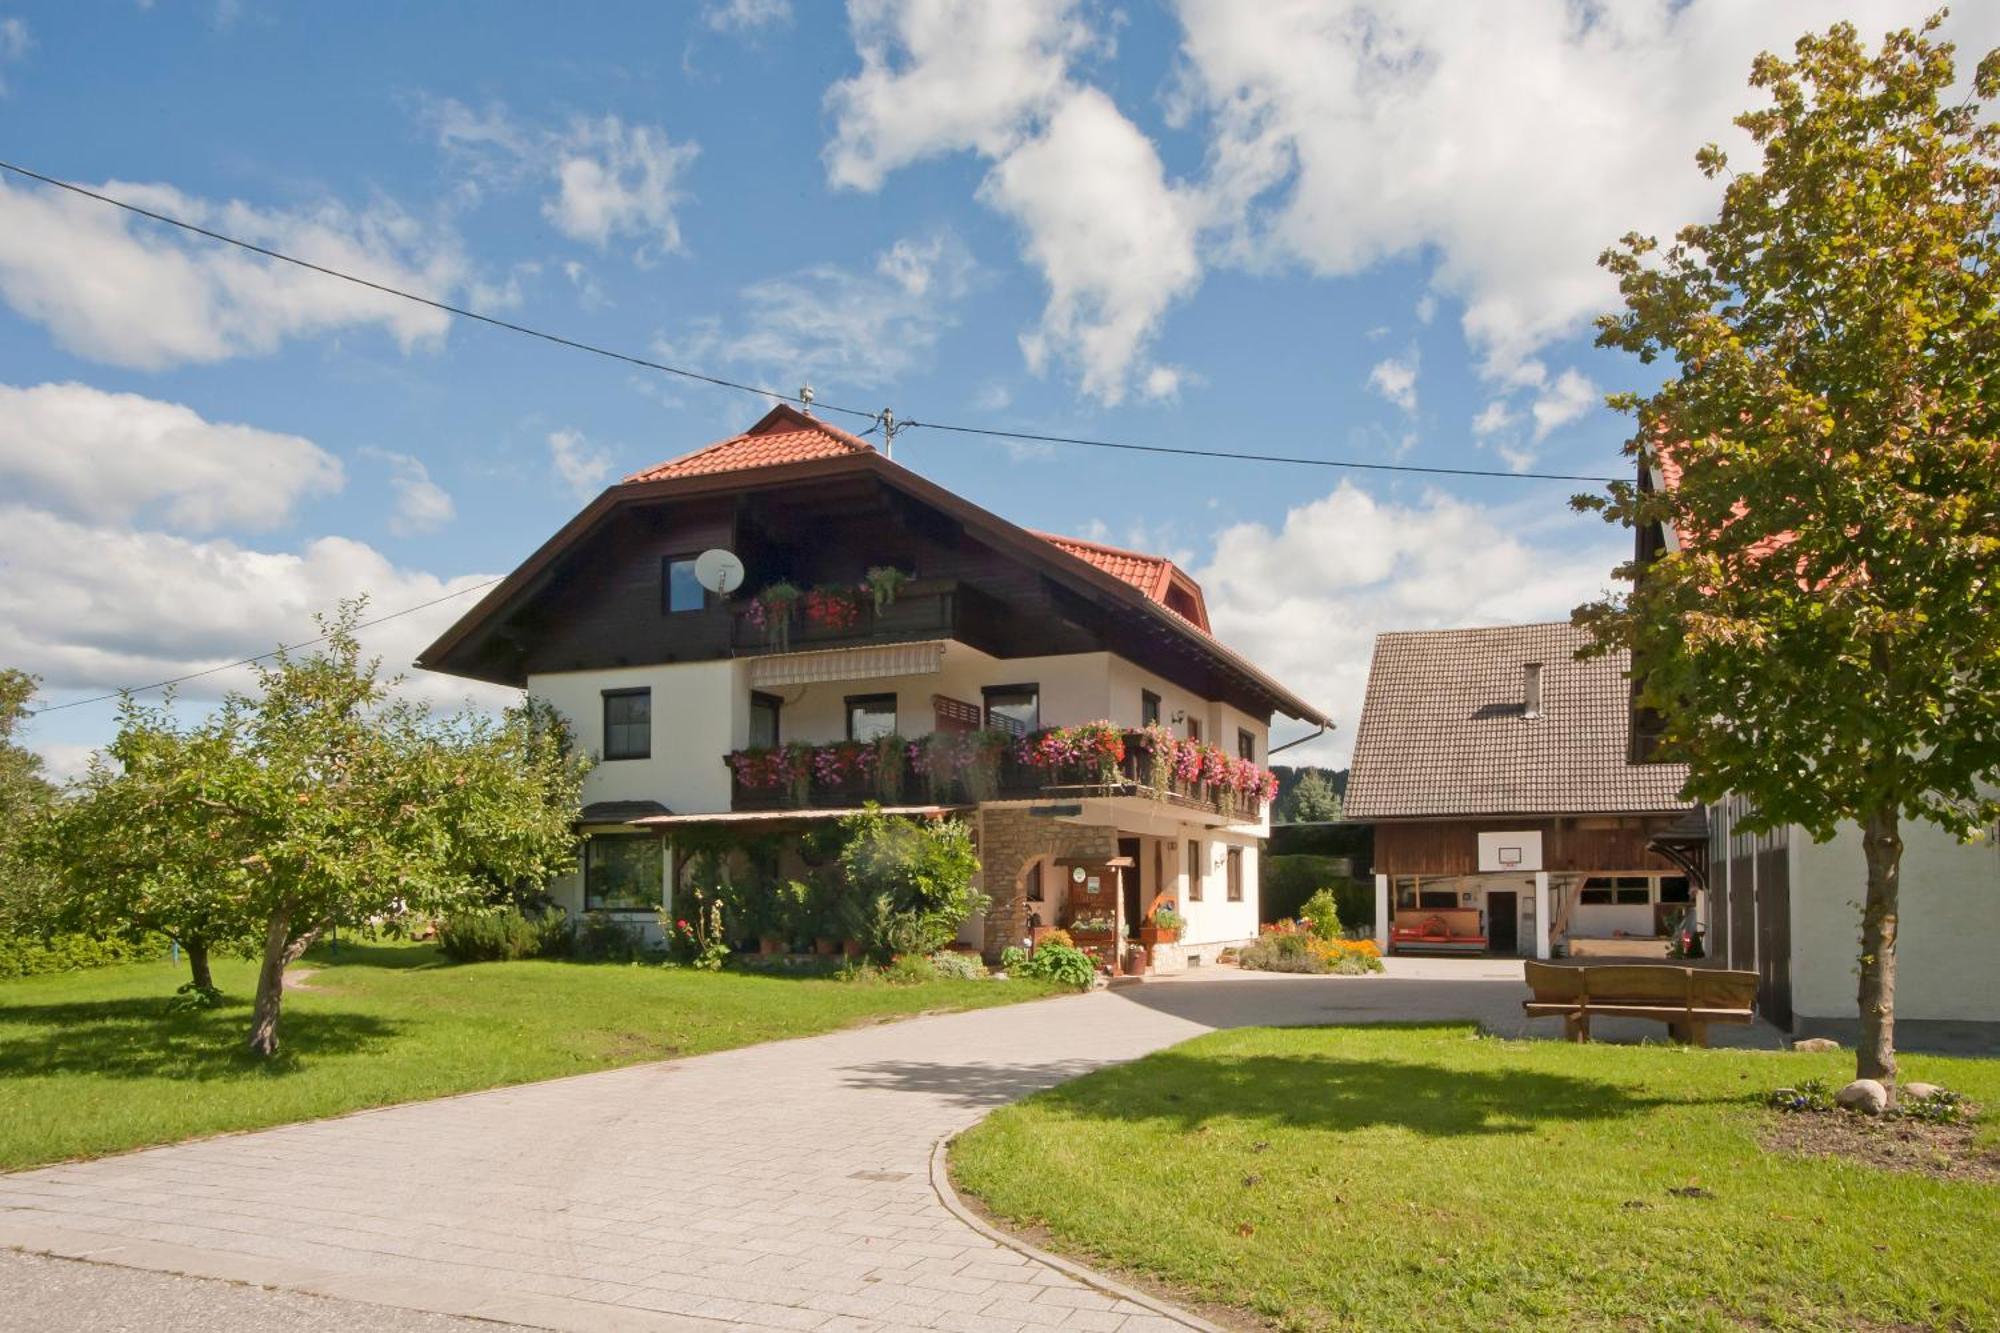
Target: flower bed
(1288, 946)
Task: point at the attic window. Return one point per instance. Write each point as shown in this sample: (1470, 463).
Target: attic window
(1181, 602)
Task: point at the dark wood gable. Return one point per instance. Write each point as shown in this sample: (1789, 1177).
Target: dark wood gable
(594, 597)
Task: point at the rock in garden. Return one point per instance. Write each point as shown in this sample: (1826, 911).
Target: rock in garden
(1864, 1095)
(1918, 1091)
(1816, 1044)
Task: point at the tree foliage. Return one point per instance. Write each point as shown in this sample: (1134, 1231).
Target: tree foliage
(1824, 639)
(1313, 800)
(24, 796)
(320, 800)
(908, 884)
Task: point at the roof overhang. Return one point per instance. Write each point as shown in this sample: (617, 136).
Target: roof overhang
(1004, 536)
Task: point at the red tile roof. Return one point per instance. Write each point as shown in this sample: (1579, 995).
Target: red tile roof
(1154, 575)
(1150, 574)
(785, 435)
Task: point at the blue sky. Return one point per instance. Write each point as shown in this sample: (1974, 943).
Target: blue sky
(1348, 230)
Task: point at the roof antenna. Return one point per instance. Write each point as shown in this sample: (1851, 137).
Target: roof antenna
(806, 398)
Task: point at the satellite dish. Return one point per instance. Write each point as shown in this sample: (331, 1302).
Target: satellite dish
(719, 571)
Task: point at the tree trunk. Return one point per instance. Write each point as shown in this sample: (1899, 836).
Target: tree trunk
(1875, 1054)
(197, 956)
(281, 949)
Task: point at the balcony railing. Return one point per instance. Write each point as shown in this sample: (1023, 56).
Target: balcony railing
(923, 609)
(965, 769)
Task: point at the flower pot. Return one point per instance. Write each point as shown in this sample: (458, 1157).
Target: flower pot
(850, 948)
(826, 944)
(1151, 935)
(1133, 963)
(769, 945)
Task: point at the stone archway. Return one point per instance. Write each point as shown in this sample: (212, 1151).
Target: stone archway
(1010, 839)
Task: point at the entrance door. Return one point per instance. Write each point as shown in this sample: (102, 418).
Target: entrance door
(1503, 923)
(1128, 882)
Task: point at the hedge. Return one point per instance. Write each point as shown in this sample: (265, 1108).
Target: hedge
(34, 956)
(1287, 881)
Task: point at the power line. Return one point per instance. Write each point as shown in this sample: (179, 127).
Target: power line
(445, 306)
(882, 420)
(804, 400)
(1296, 459)
(281, 648)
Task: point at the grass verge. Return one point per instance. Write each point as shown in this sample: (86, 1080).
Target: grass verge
(95, 1062)
(1429, 1177)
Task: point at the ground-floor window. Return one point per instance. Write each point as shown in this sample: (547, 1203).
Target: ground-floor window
(623, 872)
(1235, 874)
(1194, 870)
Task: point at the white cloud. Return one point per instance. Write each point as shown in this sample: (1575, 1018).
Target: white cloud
(746, 15)
(1495, 417)
(1504, 144)
(940, 76)
(1427, 307)
(421, 504)
(93, 608)
(618, 180)
(1162, 384)
(837, 325)
(583, 467)
(1566, 398)
(1396, 380)
(613, 180)
(1306, 599)
(1115, 240)
(14, 43)
(114, 456)
(132, 293)
(1113, 237)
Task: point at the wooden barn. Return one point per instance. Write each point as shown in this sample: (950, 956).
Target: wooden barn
(1508, 815)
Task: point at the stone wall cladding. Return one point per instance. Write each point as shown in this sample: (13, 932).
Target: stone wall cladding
(1009, 838)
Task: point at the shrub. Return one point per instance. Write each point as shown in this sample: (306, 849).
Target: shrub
(909, 885)
(504, 934)
(1321, 914)
(601, 938)
(1061, 963)
(911, 968)
(958, 966)
(35, 955)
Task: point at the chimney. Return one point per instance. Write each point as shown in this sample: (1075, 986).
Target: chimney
(1531, 689)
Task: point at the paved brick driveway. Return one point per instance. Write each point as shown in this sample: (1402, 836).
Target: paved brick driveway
(783, 1186)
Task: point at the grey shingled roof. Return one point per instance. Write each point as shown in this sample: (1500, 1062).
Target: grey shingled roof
(1442, 731)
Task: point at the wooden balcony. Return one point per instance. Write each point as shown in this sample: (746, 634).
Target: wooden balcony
(923, 609)
(1009, 779)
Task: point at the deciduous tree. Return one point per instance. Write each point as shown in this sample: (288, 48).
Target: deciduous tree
(1825, 640)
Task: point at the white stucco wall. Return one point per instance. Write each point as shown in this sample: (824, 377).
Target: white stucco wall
(1215, 920)
(1948, 927)
(701, 711)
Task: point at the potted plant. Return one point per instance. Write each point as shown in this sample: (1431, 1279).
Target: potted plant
(1164, 927)
(771, 611)
(883, 582)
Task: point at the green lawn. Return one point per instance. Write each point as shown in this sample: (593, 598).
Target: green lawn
(93, 1062)
(1428, 1177)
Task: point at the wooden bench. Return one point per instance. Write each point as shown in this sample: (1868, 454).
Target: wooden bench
(1686, 999)
(1437, 930)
